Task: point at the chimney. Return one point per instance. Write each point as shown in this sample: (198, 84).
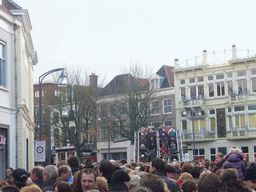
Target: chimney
(204, 57)
(93, 80)
(234, 56)
(176, 64)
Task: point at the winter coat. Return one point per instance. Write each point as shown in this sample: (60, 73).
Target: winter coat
(118, 187)
(236, 160)
(48, 185)
(172, 185)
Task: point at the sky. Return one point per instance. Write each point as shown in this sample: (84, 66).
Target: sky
(106, 36)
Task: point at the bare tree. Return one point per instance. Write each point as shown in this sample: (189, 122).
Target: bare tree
(78, 100)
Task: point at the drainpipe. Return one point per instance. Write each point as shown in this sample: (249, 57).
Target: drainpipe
(15, 27)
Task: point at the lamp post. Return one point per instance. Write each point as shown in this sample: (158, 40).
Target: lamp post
(49, 141)
(62, 81)
(193, 128)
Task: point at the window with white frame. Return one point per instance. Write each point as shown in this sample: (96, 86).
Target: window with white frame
(103, 111)
(212, 124)
(211, 90)
(182, 81)
(229, 75)
(239, 121)
(122, 108)
(36, 94)
(199, 153)
(88, 138)
(242, 86)
(184, 125)
(253, 80)
(199, 124)
(219, 76)
(182, 93)
(123, 127)
(241, 73)
(200, 79)
(220, 89)
(252, 120)
(167, 106)
(2, 65)
(155, 84)
(230, 87)
(192, 80)
(212, 154)
(253, 71)
(112, 109)
(230, 124)
(210, 78)
(154, 107)
(104, 130)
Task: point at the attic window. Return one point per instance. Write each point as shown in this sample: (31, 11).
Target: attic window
(154, 84)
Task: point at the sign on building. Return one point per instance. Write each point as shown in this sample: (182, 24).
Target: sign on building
(39, 151)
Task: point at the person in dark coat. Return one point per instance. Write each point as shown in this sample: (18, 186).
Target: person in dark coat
(36, 175)
(19, 177)
(120, 182)
(235, 159)
(50, 175)
(157, 167)
(106, 169)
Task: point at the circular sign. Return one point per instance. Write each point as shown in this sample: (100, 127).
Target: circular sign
(39, 149)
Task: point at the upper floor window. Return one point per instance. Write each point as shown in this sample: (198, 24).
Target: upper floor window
(155, 107)
(241, 73)
(192, 80)
(122, 108)
(229, 75)
(154, 84)
(252, 107)
(37, 94)
(2, 65)
(182, 81)
(220, 76)
(253, 72)
(210, 78)
(253, 85)
(167, 106)
(200, 79)
(113, 110)
(240, 108)
(103, 111)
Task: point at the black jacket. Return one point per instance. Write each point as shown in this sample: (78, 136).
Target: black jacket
(48, 185)
(118, 187)
(172, 185)
(39, 182)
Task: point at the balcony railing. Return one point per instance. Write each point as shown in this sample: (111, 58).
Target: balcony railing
(203, 134)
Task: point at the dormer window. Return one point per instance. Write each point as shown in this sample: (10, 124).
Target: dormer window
(156, 81)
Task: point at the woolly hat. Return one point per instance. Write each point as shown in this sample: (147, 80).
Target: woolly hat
(20, 174)
(250, 173)
(120, 176)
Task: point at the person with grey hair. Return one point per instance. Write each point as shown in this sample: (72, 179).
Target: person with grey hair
(50, 175)
(135, 181)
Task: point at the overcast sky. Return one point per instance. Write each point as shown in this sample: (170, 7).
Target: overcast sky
(102, 36)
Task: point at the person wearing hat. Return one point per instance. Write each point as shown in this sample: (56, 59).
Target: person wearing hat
(250, 177)
(120, 182)
(19, 177)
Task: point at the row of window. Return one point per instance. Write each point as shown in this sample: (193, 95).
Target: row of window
(200, 153)
(221, 76)
(219, 89)
(121, 108)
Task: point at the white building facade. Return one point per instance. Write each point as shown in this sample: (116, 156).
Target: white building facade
(17, 57)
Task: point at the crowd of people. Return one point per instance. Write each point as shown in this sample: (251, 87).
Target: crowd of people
(230, 173)
(148, 143)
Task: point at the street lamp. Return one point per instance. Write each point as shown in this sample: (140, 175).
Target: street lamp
(193, 128)
(62, 82)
